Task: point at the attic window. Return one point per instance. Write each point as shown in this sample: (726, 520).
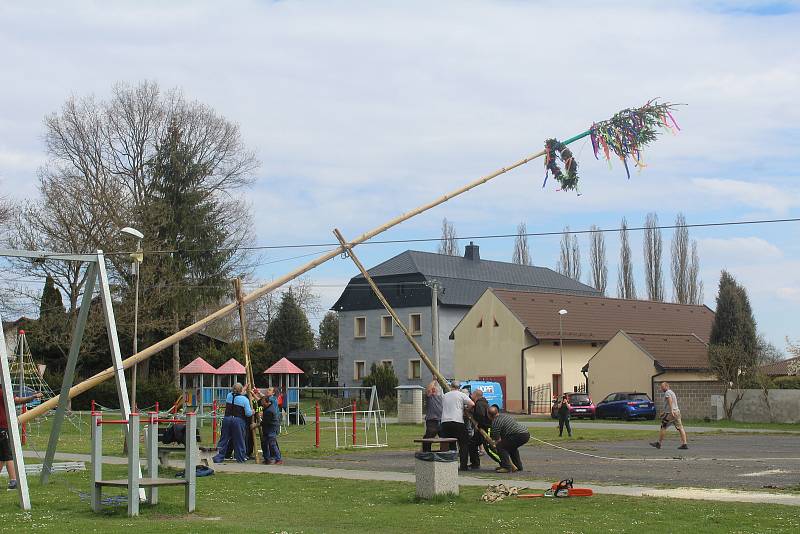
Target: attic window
(480, 323)
(556, 343)
(494, 320)
(594, 344)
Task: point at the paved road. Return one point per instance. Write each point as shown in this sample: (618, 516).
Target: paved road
(735, 461)
(544, 423)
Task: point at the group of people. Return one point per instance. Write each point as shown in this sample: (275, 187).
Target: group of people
(470, 420)
(240, 418)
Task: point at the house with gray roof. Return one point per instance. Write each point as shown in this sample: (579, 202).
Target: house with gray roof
(367, 334)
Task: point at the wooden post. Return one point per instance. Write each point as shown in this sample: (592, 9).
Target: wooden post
(263, 290)
(424, 357)
(248, 366)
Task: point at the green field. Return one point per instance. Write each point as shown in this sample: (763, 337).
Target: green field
(279, 503)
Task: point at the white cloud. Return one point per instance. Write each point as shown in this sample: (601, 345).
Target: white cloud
(738, 250)
(750, 194)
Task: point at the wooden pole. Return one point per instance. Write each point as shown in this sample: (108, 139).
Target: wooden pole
(165, 343)
(248, 365)
(424, 357)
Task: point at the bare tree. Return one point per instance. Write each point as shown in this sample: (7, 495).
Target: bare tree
(680, 261)
(522, 255)
(626, 287)
(695, 289)
(448, 244)
(597, 260)
(569, 263)
(654, 276)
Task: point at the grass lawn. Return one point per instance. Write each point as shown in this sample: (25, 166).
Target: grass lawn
(275, 503)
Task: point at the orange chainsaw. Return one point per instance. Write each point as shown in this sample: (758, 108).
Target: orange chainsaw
(563, 488)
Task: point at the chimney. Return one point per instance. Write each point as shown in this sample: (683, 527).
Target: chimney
(472, 252)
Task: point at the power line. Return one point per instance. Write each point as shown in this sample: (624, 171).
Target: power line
(331, 246)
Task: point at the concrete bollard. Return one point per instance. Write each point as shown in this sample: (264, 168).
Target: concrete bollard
(435, 478)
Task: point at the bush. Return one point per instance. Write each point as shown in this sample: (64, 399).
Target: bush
(383, 378)
(787, 382)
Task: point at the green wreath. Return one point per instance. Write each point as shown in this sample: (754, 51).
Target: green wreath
(556, 151)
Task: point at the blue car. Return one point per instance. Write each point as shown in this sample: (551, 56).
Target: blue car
(626, 405)
(492, 391)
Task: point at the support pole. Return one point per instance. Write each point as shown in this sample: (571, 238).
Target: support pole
(316, 422)
(13, 428)
(69, 373)
(190, 472)
(97, 461)
(134, 469)
(354, 422)
(152, 455)
(248, 367)
(214, 424)
(263, 290)
(424, 357)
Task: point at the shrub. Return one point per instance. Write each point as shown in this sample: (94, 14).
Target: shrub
(787, 382)
(383, 378)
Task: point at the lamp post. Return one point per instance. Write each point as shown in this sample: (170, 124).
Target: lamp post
(136, 259)
(561, 314)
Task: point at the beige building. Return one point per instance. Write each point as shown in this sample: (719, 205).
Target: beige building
(514, 337)
(650, 358)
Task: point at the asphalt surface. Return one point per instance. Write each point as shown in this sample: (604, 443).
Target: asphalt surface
(734, 461)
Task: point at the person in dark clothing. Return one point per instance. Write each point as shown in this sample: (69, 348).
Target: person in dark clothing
(234, 425)
(433, 410)
(509, 436)
(270, 426)
(6, 453)
(480, 413)
(563, 416)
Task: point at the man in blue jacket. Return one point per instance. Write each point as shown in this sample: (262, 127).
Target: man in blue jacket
(234, 425)
(270, 426)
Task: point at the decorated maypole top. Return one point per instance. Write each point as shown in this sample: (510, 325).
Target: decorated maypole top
(624, 135)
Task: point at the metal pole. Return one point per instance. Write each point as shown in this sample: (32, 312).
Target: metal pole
(561, 352)
(135, 371)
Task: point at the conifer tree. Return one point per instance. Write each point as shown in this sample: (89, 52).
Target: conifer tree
(290, 329)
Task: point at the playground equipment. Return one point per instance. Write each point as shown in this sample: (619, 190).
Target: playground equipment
(193, 382)
(287, 377)
(371, 422)
(135, 482)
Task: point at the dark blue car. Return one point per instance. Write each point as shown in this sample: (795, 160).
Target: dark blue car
(626, 405)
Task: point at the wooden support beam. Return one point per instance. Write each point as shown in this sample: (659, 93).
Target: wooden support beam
(248, 364)
(424, 357)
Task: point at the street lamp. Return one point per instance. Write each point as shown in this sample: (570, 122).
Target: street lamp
(561, 314)
(136, 259)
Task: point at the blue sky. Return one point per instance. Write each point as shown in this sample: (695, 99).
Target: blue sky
(361, 110)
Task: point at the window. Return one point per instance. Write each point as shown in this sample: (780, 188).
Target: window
(415, 323)
(496, 324)
(387, 363)
(360, 327)
(480, 323)
(414, 370)
(359, 369)
(386, 326)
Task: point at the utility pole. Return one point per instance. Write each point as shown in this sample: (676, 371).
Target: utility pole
(434, 285)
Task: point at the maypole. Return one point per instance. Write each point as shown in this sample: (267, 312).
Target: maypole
(625, 135)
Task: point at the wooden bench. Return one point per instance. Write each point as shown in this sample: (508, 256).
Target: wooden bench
(444, 443)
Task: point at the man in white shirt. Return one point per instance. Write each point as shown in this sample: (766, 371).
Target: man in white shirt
(671, 416)
(453, 404)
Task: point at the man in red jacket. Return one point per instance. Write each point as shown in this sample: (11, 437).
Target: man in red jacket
(6, 456)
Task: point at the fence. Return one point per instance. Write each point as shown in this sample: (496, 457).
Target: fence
(540, 399)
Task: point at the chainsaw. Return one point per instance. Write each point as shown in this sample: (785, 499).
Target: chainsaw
(563, 488)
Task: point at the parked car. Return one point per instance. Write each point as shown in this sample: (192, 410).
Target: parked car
(580, 406)
(492, 391)
(626, 405)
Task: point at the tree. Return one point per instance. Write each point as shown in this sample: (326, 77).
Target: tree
(329, 331)
(522, 255)
(51, 304)
(569, 263)
(383, 378)
(290, 329)
(686, 283)
(597, 260)
(654, 277)
(733, 344)
(448, 244)
(626, 288)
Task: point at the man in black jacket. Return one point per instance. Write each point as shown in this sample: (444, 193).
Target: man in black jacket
(481, 415)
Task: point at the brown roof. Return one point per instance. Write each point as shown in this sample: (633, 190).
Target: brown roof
(778, 368)
(600, 318)
(673, 351)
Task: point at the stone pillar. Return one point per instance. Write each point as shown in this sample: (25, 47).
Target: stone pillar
(435, 478)
(409, 404)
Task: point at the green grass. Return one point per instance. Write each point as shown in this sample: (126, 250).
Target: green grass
(275, 503)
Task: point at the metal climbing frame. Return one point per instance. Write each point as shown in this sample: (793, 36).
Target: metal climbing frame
(96, 272)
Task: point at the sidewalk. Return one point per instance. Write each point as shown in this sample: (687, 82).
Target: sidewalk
(721, 495)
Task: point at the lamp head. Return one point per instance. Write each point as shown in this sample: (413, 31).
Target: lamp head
(562, 312)
(132, 232)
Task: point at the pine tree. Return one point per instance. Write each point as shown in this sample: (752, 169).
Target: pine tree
(290, 329)
(51, 306)
(734, 323)
(329, 331)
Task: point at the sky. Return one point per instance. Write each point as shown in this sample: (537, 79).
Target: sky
(359, 111)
